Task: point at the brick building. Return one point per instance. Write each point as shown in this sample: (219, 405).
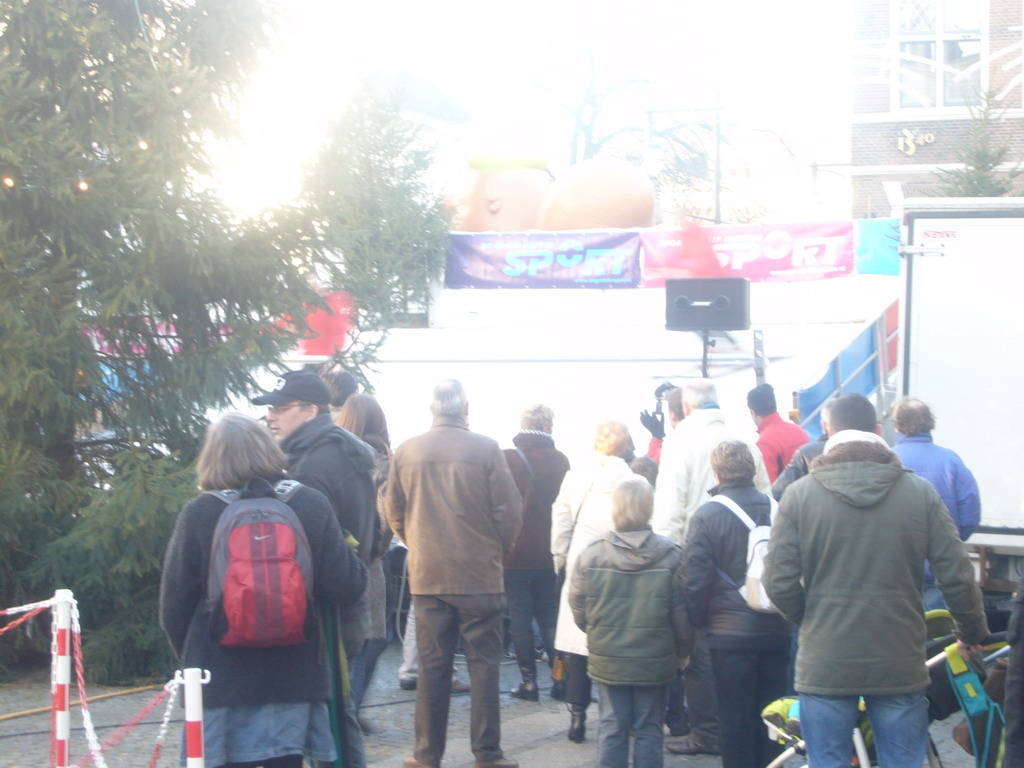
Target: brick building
(920, 67)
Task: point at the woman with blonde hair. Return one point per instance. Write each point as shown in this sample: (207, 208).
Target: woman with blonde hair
(263, 705)
(582, 512)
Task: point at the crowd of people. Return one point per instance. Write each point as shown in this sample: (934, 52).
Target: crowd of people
(629, 571)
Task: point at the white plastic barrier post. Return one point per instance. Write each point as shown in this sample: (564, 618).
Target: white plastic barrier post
(62, 678)
(194, 681)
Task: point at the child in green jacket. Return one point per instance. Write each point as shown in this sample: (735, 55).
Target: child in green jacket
(626, 594)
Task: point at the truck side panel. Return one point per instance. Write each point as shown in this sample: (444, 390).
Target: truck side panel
(963, 348)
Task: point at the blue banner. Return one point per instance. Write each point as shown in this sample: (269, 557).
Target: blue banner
(591, 259)
(876, 246)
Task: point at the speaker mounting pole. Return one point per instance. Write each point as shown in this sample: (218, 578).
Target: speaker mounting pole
(705, 335)
(707, 304)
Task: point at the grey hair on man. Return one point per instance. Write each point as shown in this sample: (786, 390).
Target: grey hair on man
(699, 392)
(450, 399)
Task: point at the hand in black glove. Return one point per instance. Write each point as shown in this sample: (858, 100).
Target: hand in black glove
(653, 423)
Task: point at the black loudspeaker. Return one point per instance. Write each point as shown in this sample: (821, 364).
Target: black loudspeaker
(707, 304)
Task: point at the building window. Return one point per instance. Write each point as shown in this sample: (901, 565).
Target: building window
(939, 53)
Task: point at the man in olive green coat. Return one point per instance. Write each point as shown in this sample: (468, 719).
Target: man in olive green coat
(846, 563)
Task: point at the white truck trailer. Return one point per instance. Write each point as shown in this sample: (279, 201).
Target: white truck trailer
(962, 352)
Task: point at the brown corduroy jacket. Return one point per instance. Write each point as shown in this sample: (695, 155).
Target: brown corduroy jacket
(451, 498)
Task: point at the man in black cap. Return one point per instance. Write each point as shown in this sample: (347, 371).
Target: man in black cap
(777, 439)
(322, 455)
(335, 462)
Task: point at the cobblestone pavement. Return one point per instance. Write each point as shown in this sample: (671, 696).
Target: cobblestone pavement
(534, 734)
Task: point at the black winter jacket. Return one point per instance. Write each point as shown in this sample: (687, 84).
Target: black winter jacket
(335, 462)
(799, 466)
(717, 541)
(253, 675)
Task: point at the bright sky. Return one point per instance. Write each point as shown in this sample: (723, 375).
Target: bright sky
(771, 65)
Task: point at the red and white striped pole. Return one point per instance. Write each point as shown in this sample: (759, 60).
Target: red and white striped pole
(194, 680)
(62, 678)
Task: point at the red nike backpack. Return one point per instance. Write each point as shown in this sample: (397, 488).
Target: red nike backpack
(260, 583)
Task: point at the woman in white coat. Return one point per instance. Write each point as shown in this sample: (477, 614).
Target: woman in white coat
(583, 511)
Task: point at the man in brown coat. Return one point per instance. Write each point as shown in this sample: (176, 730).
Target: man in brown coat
(451, 498)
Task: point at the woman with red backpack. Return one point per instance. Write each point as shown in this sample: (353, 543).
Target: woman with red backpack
(266, 702)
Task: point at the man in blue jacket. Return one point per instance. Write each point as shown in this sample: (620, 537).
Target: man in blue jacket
(941, 467)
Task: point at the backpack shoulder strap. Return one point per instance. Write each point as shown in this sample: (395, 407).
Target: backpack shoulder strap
(526, 463)
(285, 489)
(736, 509)
(747, 520)
(227, 496)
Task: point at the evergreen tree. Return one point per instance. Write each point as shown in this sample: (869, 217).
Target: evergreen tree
(130, 301)
(373, 223)
(982, 155)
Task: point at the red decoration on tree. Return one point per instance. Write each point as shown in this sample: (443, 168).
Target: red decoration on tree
(328, 329)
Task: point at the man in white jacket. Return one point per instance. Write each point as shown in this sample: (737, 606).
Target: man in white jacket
(684, 477)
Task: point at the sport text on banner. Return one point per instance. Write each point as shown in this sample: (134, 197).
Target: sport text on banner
(760, 253)
(544, 260)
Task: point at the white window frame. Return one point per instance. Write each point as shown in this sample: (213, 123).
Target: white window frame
(939, 38)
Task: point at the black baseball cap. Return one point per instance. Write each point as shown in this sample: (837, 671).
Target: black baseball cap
(296, 385)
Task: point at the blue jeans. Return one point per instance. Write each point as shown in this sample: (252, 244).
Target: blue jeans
(899, 724)
(932, 597)
(363, 666)
(636, 708)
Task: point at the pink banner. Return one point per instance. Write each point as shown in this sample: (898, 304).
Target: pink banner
(787, 252)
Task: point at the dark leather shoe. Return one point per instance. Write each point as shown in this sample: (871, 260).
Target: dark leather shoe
(407, 685)
(526, 692)
(501, 762)
(678, 730)
(690, 745)
(578, 725)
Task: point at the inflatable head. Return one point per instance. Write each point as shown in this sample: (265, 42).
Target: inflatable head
(600, 193)
(502, 195)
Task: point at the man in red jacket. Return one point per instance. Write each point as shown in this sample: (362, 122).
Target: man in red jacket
(777, 439)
